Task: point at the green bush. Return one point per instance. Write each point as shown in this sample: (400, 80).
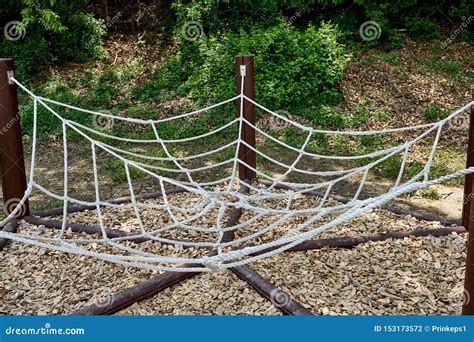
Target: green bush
(54, 32)
(218, 15)
(29, 55)
(430, 193)
(423, 28)
(433, 112)
(326, 116)
(293, 69)
(422, 19)
(80, 42)
(101, 95)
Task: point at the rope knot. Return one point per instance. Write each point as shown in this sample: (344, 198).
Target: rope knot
(211, 263)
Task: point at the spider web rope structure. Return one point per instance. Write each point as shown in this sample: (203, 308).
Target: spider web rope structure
(203, 221)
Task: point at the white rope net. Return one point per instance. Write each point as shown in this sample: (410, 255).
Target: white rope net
(276, 212)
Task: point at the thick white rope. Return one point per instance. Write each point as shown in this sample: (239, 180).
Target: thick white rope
(215, 202)
(127, 119)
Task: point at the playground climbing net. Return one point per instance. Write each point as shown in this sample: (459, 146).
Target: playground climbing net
(203, 224)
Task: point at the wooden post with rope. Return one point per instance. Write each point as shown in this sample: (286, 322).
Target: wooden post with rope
(12, 163)
(468, 223)
(244, 66)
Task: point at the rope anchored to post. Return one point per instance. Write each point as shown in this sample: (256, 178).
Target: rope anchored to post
(210, 201)
(12, 161)
(245, 85)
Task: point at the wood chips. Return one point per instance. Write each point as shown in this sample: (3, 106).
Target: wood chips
(409, 276)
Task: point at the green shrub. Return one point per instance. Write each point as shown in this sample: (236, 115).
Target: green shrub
(80, 42)
(167, 82)
(422, 19)
(101, 95)
(451, 66)
(423, 28)
(47, 122)
(293, 69)
(327, 116)
(430, 193)
(219, 15)
(29, 55)
(54, 32)
(292, 137)
(433, 112)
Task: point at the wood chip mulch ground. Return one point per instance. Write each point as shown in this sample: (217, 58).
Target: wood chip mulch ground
(409, 276)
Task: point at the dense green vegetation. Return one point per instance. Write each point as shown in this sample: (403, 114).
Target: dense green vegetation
(294, 69)
(292, 38)
(50, 32)
(302, 50)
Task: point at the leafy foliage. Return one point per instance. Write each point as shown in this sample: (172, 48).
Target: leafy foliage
(294, 70)
(55, 32)
(433, 113)
(422, 19)
(299, 55)
(299, 58)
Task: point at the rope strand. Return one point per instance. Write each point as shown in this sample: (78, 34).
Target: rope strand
(206, 218)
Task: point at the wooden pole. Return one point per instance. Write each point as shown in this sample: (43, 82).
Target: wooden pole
(396, 210)
(154, 285)
(468, 204)
(12, 163)
(280, 299)
(467, 220)
(353, 241)
(10, 227)
(244, 65)
(139, 292)
(121, 200)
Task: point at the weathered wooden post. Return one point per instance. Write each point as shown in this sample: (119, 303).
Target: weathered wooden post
(467, 221)
(244, 64)
(468, 207)
(12, 165)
